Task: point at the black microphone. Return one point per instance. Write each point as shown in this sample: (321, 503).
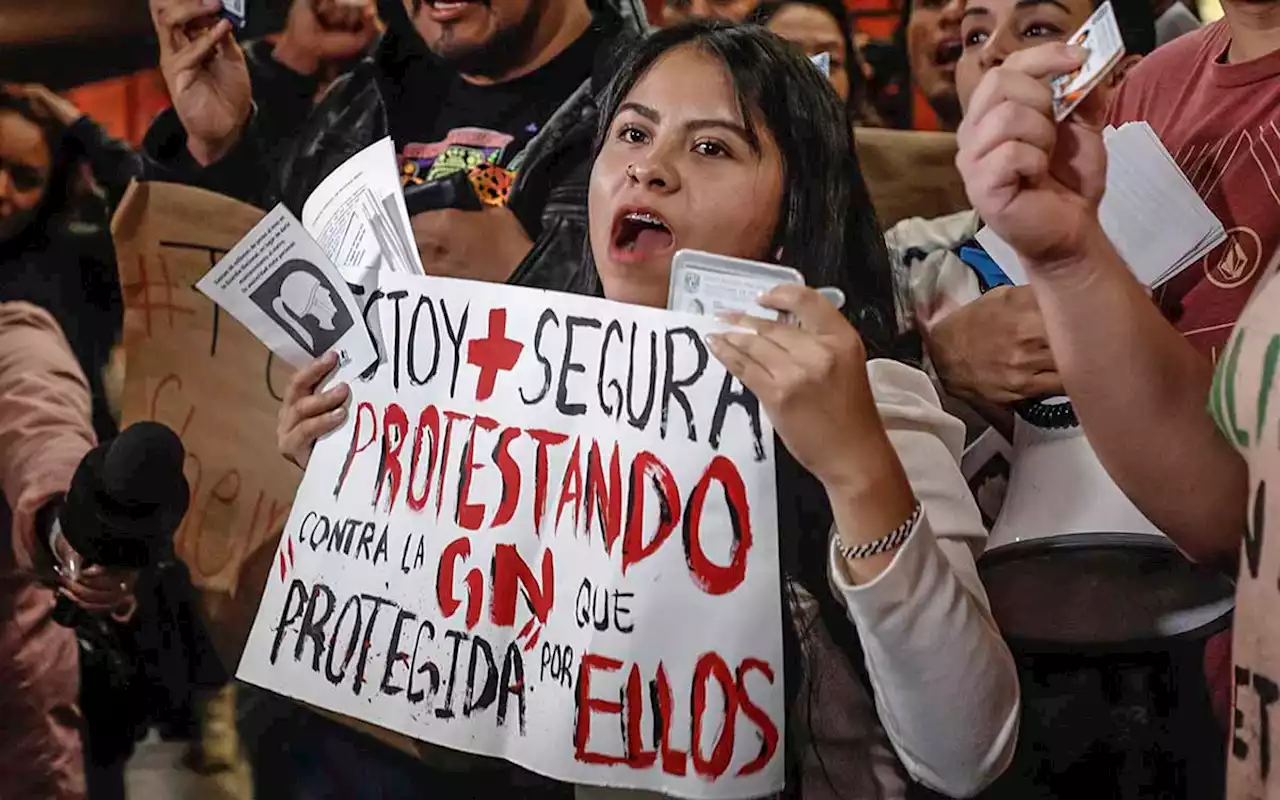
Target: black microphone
(126, 500)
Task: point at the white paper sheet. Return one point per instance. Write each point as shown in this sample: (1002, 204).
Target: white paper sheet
(1149, 211)
(358, 215)
(281, 286)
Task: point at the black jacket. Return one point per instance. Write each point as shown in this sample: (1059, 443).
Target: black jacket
(550, 194)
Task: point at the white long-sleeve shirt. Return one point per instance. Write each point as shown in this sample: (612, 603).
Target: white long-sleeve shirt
(945, 686)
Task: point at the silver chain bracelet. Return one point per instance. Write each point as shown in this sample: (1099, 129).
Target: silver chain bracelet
(884, 544)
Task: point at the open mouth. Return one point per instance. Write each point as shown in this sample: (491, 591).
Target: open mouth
(640, 233)
(948, 53)
(444, 10)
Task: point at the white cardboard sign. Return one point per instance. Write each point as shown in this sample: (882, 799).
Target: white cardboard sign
(546, 533)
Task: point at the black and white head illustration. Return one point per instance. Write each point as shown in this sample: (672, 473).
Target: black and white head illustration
(302, 300)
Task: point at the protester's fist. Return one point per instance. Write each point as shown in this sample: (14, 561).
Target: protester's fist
(995, 349)
(46, 103)
(206, 73)
(484, 245)
(320, 32)
(811, 378)
(1035, 182)
(305, 416)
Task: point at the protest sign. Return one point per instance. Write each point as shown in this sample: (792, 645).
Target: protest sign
(547, 532)
(195, 369)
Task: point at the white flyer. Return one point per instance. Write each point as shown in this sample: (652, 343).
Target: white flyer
(359, 217)
(281, 286)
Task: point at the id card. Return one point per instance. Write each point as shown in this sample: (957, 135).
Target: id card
(234, 10)
(707, 284)
(1101, 36)
(823, 62)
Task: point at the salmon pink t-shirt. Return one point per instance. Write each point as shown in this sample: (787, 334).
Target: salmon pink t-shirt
(1221, 123)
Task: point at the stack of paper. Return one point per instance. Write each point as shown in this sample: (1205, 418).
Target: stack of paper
(1150, 211)
(293, 283)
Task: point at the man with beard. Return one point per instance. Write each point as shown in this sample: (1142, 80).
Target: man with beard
(499, 92)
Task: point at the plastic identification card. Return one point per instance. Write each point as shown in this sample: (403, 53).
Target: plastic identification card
(234, 10)
(1101, 36)
(708, 284)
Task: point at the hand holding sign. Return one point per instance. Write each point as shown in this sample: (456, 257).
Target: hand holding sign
(307, 414)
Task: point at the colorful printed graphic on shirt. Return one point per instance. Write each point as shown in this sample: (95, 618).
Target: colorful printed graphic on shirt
(492, 184)
(461, 150)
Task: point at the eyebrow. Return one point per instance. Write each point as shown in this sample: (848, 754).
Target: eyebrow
(974, 11)
(692, 125)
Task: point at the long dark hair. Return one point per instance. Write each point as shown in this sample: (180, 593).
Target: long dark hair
(57, 188)
(828, 231)
(827, 227)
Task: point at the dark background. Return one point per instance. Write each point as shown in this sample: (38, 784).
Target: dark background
(66, 43)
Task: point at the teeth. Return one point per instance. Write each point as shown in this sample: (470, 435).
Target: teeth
(646, 218)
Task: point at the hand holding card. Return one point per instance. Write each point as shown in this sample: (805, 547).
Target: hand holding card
(235, 12)
(1100, 35)
(710, 285)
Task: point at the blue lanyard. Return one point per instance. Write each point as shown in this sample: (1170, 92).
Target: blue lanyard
(988, 270)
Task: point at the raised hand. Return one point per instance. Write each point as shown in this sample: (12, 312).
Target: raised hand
(320, 32)
(46, 102)
(1037, 183)
(810, 377)
(206, 73)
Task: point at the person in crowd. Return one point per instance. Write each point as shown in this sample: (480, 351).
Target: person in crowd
(823, 26)
(736, 145)
(321, 40)
(675, 12)
(1173, 18)
(459, 87)
(929, 37)
(1144, 405)
(984, 339)
(986, 342)
(47, 430)
(54, 253)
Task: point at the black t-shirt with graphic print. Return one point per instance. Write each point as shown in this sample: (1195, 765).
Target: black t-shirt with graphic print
(487, 124)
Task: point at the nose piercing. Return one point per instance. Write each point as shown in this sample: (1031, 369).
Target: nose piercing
(631, 172)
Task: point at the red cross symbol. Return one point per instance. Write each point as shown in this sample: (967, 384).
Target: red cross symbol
(493, 354)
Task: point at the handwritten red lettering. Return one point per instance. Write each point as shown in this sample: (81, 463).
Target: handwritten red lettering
(753, 712)
(459, 550)
(471, 515)
(602, 497)
(711, 577)
(634, 548)
(588, 705)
